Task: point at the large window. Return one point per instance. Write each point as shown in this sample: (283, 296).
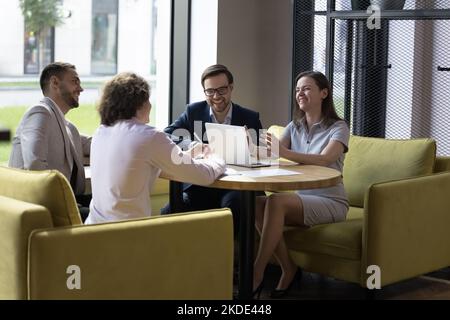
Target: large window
(104, 37)
(389, 80)
(101, 38)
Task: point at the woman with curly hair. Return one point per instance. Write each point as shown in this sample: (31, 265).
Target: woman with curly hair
(127, 155)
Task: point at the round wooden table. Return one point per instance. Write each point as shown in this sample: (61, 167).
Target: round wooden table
(249, 181)
(309, 177)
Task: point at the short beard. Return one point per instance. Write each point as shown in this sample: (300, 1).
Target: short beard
(74, 104)
(69, 100)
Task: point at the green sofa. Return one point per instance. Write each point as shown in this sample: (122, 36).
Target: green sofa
(181, 256)
(399, 216)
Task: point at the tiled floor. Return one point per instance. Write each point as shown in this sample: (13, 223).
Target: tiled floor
(435, 285)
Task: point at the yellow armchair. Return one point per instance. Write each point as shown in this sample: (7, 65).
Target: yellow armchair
(46, 256)
(398, 220)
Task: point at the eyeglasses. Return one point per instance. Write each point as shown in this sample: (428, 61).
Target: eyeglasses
(220, 91)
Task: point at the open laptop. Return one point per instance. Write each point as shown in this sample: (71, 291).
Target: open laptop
(230, 143)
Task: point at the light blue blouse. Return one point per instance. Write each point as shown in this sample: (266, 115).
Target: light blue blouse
(313, 142)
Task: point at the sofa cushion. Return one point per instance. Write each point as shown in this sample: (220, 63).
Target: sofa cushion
(442, 164)
(372, 160)
(159, 195)
(341, 239)
(47, 188)
(277, 131)
(160, 187)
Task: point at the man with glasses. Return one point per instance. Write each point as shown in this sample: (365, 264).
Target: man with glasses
(217, 82)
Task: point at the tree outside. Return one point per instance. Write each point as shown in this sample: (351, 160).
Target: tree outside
(40, 17)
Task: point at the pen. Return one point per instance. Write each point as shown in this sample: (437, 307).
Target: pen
(197, 137)
(198, 156)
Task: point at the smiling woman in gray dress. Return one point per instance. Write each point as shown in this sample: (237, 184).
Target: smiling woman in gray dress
(316, 136)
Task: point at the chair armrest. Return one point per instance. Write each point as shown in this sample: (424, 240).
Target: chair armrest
(406, 227)
(17, 220)
(184, 256)
(442, 164)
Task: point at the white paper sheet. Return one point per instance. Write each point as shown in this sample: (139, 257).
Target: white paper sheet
(268, 173)
(231, 172)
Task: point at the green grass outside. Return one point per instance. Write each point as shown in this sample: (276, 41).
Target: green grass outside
(85, 118)
(9, 118)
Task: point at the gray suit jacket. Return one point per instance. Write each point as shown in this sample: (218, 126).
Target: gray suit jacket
(42, 142)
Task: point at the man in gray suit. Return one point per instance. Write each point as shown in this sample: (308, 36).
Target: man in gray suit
(44, 138)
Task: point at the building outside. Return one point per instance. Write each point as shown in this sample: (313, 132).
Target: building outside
(100, 37)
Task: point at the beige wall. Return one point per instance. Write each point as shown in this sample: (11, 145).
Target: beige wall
(255, 41)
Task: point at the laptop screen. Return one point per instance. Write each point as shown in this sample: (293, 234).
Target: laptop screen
(229, 142)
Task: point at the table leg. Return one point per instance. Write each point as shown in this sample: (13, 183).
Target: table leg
(246, 244)
(175, 196)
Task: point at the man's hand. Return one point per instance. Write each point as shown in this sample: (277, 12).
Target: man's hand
(199, 150)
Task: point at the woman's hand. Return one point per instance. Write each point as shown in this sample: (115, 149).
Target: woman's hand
(274, 147)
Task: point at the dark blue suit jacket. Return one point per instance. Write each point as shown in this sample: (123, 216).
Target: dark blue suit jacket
(199, 111)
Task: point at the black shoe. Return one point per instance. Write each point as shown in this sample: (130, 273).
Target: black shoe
(258, 290)
(280, 293)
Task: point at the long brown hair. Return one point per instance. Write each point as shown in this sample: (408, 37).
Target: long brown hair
(329, 114)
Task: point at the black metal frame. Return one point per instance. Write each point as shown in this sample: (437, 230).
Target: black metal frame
(180, 56)
(372, 49)
(246, 244)
(394, 14)
(304, 34)
(331, 4)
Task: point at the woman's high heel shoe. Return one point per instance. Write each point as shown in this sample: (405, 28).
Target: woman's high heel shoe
(258, 290)
(280, 293)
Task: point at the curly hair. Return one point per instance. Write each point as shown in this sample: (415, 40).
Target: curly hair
(328, 111)
(122, 96)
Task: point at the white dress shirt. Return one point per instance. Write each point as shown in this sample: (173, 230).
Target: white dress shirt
(227, 119)
(126, 159)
